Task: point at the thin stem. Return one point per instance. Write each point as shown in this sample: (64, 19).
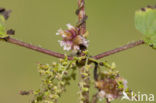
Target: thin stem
(95, 98)
(59, 55)
(36, 48)
(82, 16)
(84, 80)
(84, 84)
(122, 48)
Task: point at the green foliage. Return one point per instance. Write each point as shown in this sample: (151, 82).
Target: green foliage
(2, 27)
(55, 78)
(145, 22)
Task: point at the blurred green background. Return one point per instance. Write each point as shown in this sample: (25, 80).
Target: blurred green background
(110, 24)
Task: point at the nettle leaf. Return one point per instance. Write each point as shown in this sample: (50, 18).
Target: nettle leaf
(2, 27)
(145, 22)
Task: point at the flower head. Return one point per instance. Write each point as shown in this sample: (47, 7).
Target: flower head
(72, 40)
(111, 86)
(109, 89)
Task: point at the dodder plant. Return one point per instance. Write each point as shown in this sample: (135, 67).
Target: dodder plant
(106, 79)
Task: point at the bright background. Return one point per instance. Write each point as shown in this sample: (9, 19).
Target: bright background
(110, 23)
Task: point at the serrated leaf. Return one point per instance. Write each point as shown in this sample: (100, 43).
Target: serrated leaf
(2, 27)
(145, 22)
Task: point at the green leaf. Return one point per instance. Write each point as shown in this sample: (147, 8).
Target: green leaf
(145, 22)
(2, 27)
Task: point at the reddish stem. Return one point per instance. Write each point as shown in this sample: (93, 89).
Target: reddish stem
(36, 48)
(82, 16)
(122, 48)
(59, 55)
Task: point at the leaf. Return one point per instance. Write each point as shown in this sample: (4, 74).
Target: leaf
(2, 27)
(145, 22)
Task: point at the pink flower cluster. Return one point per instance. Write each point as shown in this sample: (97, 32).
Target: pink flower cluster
(71, 38)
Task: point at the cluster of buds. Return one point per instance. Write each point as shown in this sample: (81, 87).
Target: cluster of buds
(55, 78)
(72, 39)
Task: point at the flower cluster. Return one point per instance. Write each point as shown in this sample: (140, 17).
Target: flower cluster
(55, 78)
(110, 84)
(84, 83)
(110, 89)
(72, 40)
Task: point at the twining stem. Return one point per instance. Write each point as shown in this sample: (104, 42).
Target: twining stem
(36, 48)
(116, 50)
(82, 16)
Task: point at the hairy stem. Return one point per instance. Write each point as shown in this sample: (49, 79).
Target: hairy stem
(122, 48)
(36, 48)
(82, 16)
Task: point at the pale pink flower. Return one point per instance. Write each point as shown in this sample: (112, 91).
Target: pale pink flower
(71, 38)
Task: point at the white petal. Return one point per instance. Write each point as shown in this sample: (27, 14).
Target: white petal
(60, 30)
(102, 94)
(63, 35)
(57, 33)
(110, 97)
(70, 26)
(76, 47)
(67, 47)
(61, 43)
(84, 41)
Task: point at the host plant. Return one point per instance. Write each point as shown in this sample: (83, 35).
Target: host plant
(106, 79)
